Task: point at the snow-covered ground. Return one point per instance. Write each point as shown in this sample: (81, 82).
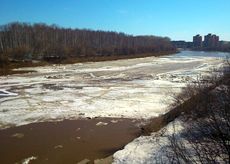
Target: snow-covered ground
(157, 148)
(149, 149)
(134, 88)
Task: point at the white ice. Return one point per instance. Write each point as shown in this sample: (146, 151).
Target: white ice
(6, 93)
(132, 88)
(149, 149)
(27, 160)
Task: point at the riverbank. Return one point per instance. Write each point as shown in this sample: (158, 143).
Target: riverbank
(191, 131)
(8, 69)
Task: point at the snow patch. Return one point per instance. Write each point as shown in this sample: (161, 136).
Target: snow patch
(27, 160)
(148, 149)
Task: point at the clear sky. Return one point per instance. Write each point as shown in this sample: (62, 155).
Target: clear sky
(177, 19)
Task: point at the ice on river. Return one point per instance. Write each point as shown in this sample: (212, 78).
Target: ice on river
(134, 88)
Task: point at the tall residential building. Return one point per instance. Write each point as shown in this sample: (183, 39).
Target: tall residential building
(208, 40)
(215, 41)
(197, 41)
(211, 41)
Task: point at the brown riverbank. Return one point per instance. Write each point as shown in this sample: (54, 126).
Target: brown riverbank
(7, 69)
(66, 141)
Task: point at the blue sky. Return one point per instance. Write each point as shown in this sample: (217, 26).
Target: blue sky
(177, 19)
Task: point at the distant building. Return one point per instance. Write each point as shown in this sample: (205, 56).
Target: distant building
(197, 41)
(224, 46)
(215, 41)
(211, 41)
(222, 43)
(207, 40)
(182, 44)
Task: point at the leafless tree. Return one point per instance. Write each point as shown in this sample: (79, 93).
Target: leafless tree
(206, 117)
(17, 40)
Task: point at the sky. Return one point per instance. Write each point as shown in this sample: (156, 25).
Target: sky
(177, 19)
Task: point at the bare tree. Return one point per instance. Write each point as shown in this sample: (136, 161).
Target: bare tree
(17, 40)
(206, 134)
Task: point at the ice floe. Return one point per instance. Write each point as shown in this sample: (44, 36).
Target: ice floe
(131, 88)
(4, 93)
(102, 124)
(27, 160)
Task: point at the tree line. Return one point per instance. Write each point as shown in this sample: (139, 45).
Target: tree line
(22, 41)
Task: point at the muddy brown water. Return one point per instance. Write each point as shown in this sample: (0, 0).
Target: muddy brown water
(68, 141)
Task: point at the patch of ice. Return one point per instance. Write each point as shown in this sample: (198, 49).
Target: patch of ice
(114, 121)
(7, 93)
(58, 147)
(101, 124)
(27, 160)
(18, 135)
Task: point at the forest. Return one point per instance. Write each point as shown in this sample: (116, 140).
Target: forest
(25, 41)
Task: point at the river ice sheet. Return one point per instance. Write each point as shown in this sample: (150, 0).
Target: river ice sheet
(134, 88)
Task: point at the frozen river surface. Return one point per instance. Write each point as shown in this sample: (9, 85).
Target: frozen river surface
(134, 88)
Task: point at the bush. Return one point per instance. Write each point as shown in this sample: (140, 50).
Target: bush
(206, 134)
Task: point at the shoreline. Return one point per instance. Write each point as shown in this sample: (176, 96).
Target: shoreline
(15, 65)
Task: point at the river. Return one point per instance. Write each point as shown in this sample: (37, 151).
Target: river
(132, 89)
